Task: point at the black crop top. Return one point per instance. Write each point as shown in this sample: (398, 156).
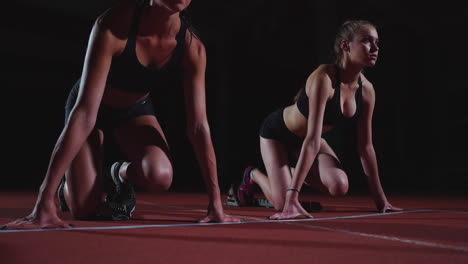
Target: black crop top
(128, 74)
(333, 114)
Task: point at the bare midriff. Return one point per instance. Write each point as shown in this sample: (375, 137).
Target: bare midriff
(297, 123)
(121, 99)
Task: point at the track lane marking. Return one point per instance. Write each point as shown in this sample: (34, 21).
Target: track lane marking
(294, 222)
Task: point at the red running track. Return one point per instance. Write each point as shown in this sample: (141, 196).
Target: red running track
(431, 229)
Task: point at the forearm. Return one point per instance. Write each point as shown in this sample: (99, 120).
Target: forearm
(370, 167)
(68, 144)
(204, 151)
(308, 154)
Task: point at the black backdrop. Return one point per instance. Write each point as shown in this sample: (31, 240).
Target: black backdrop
(259, 54)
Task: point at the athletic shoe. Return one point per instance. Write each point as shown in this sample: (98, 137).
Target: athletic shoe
(247, 189)
(263, 203)
(311, 207)
(121, 202)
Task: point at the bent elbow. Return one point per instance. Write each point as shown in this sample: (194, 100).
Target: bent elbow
(197, 131)
(311, 144)
(365, 149)
(83, 119)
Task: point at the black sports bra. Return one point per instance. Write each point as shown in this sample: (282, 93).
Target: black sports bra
(128, 74)
(333, 114)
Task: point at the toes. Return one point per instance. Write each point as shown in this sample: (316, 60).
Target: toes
(232, 219)
(204, 220)
(274, 217)
(308, 215)
(66, 225)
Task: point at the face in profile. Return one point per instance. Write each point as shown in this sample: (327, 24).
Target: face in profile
(173, 5)
(364, 48)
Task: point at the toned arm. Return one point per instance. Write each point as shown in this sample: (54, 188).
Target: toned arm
(198, 129)
(366, 149)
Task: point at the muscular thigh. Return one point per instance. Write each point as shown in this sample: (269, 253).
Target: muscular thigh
(326, 170)
(277, 165)
(142, 137)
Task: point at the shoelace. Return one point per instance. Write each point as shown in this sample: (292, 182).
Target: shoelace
(117, 207)
(118, 211)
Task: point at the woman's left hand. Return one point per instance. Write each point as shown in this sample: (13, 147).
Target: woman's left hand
(216, 215)
(223, 218)
(387, 207)
(291, 213)
(292, 208)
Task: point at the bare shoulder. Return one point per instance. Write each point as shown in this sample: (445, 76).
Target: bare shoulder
(117, 19)
(321, 78)
(321, 74)
(195, 51)
(320, 71)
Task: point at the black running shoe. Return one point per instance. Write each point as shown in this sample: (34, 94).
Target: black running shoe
(311, 207)
(231, 198)
(115, 211)
(121, 202)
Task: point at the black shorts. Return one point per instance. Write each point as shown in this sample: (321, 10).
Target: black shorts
(274, 127)
(109, 118)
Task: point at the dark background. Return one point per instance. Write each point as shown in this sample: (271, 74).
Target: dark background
(259, 54)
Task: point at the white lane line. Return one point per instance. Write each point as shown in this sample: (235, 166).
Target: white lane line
(288, 221)
(383, 237)
(117, 227)
(372, 208)
(256, 221)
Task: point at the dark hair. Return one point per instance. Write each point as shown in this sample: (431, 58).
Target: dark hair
(347, 31)
(298, 94)
(185, 16)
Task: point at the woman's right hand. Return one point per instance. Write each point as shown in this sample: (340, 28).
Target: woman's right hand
(292, 208)
(44, 215)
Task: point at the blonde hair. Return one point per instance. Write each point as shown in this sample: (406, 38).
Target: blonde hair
(347, 31)
(298, 94)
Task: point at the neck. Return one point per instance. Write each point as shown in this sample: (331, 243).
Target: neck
(349, 72)
(159, 20)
